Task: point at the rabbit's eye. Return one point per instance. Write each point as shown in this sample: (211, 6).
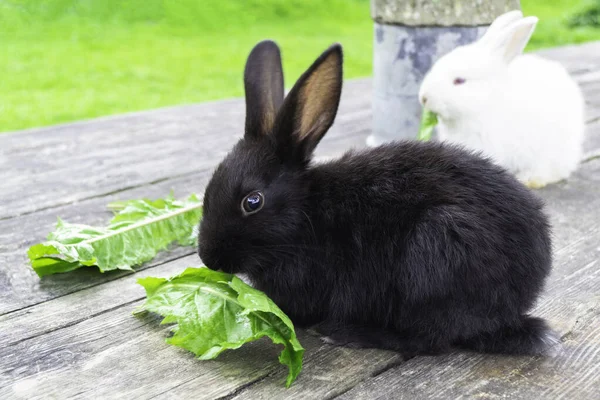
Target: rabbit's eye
(253, 203)
(459, 81)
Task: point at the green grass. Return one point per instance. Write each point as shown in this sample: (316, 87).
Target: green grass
(65, 60)
(553, 29)
(116, 56)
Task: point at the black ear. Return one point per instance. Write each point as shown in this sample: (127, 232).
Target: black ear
(310, 108)
(263, 82)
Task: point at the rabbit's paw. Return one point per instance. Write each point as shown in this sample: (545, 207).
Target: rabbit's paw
(535, 184)
(336, 340)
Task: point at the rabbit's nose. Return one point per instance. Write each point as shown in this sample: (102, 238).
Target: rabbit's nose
(423, 100)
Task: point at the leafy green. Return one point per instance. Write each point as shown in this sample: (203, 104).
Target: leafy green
(428, 122)
(214, 311)
(138, 231)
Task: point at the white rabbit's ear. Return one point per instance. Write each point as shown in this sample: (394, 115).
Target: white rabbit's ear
(511, 42)
(499, 24)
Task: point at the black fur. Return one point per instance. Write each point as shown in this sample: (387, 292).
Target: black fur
(411, 246)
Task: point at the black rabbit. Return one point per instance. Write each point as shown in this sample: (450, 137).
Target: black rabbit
(411, 246)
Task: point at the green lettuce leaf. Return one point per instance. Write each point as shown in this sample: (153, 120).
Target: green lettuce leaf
(428, 122)
(214, 311)
(138, 231)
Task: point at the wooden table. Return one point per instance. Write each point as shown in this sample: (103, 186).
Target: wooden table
(73, 335)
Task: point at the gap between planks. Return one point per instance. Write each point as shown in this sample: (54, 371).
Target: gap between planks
(268, 381)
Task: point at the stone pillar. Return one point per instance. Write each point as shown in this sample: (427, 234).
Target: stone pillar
(409, 35)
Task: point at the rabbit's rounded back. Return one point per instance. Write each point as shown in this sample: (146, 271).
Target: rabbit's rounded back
(524, 111)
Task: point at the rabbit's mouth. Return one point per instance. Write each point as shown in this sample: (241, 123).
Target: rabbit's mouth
(226, 262)
(219, 262)
(440, 110)
(212, 258)
(224, 267)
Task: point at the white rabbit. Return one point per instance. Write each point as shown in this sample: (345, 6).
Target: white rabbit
(523, 111)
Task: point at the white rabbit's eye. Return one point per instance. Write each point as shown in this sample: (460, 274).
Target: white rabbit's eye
(252, 203)
(459, 81)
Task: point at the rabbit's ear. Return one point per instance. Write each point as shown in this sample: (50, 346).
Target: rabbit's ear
(498, 26)
(511, 42)
(310, 107)
(263, 83)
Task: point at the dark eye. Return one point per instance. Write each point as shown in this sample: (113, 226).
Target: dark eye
(253, 203)
(459, 81)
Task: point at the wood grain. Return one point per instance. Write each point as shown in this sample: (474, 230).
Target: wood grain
(117, 355)
(112, 353)
(45, 343)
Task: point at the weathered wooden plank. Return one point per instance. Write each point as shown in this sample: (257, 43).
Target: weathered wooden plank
(109, 364)
(593, 114)
(115, 354)
(43, 335)
(571, 304)
(118, 355)
(68, 163)
(57, 313)
(590, 85)
(327, 372)
(578, 59)
(584, 64)
(573, 375)
(591, 144)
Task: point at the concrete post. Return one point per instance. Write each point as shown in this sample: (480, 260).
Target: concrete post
(409, 36)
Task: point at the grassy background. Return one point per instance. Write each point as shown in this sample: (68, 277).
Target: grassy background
(65, 60)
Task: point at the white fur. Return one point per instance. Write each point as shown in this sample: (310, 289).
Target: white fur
(523, 111)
